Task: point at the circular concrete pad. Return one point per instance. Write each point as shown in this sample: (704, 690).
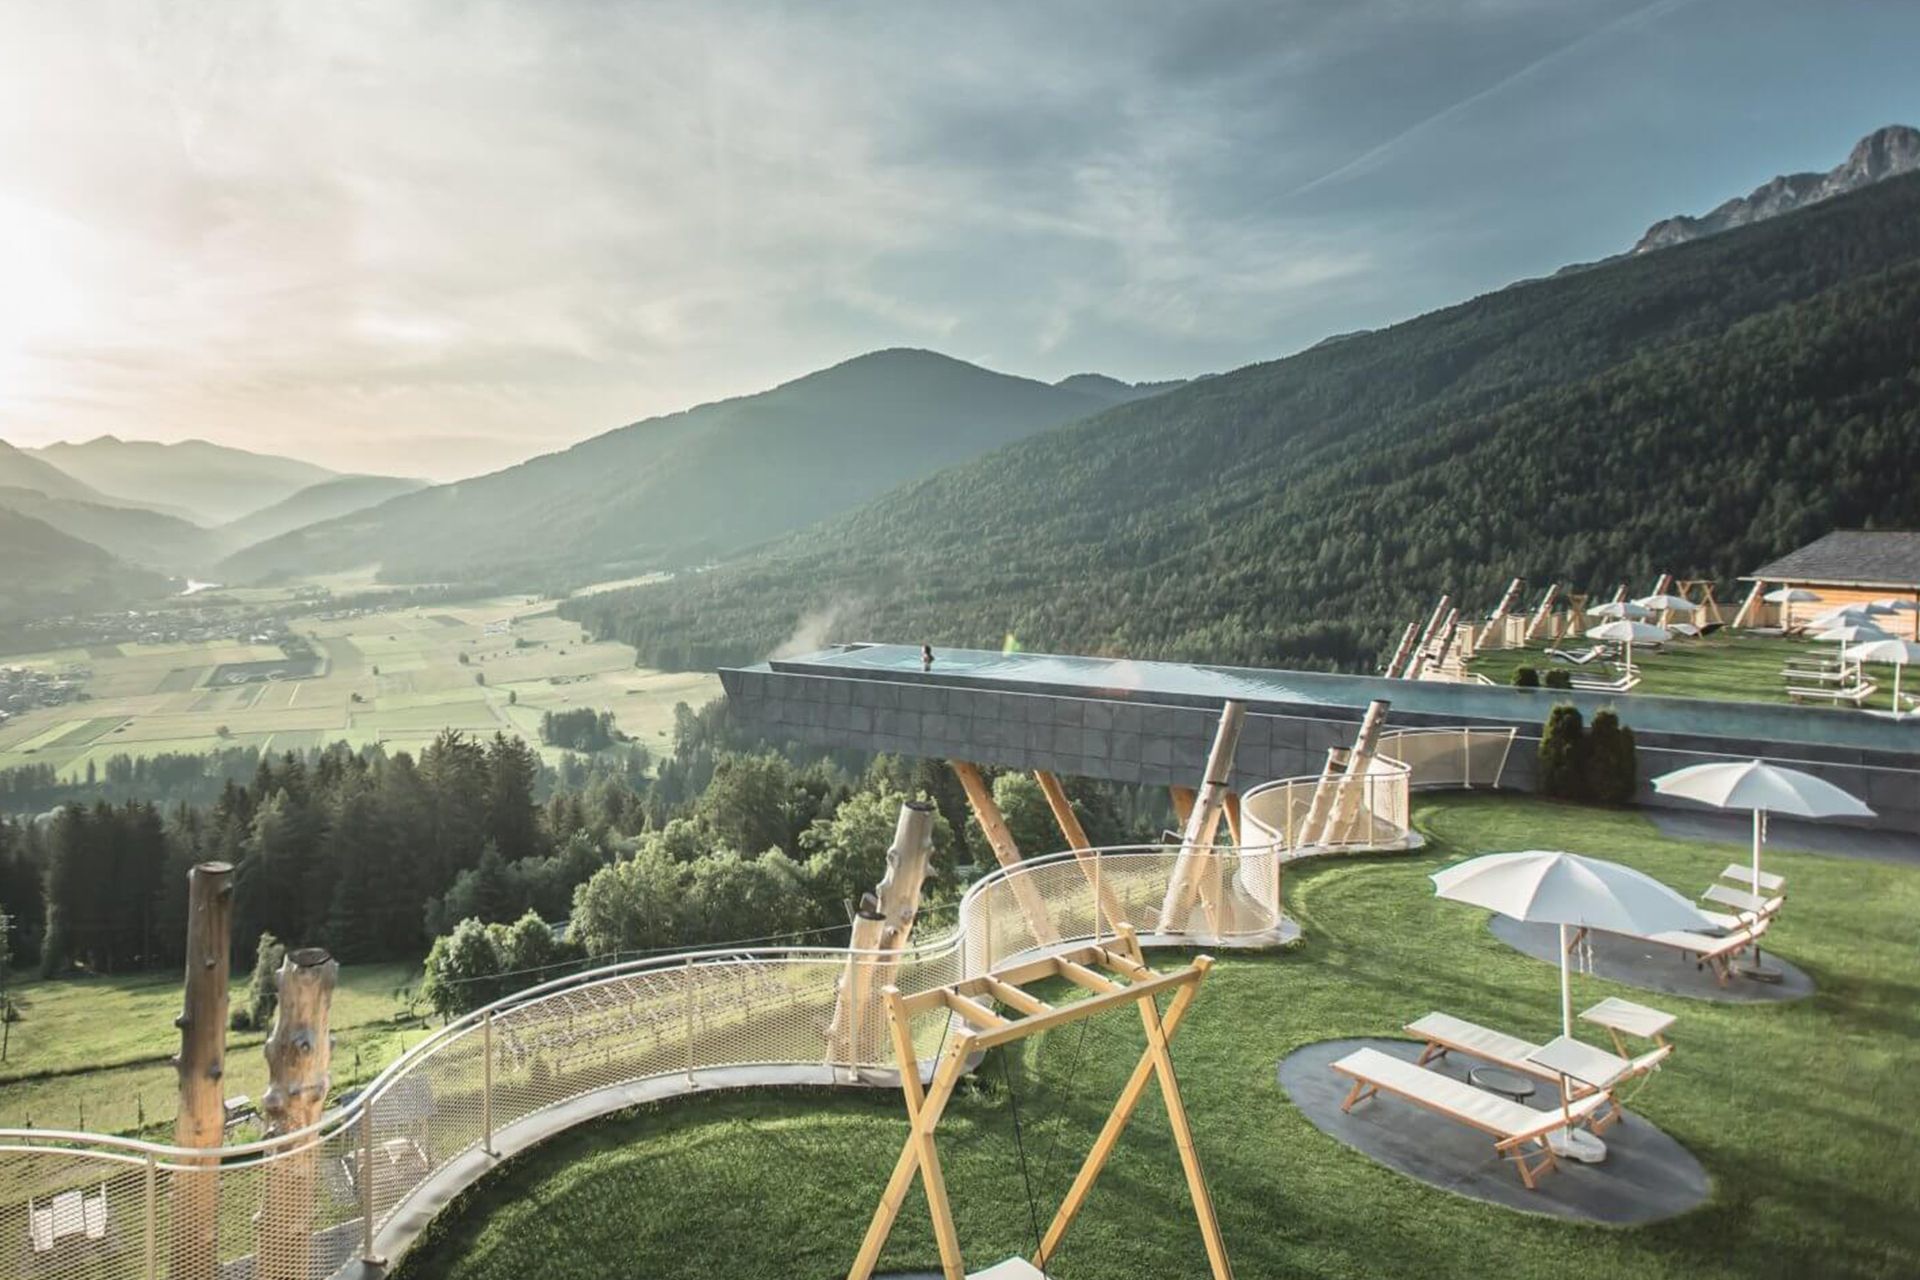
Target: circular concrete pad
(1646, 1176)
(1634, 963)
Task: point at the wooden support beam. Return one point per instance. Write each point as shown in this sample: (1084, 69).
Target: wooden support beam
(1350, 791)
(1541, 614)
(299, 1054)
(985, 811)
(201, 1066)
(1397, 665)
(1013, 997)
(1233, 818)
(1196, 872)
(1508, 601)
(1117, 1120)
(1065, 1014)
(973, 1011)
(881, 929)
(1443, 646)
(1183, 1133)
(1750, 610)
(1321, 804)
(1107, 902)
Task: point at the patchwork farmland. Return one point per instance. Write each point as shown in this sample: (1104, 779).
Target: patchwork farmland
(395, 677)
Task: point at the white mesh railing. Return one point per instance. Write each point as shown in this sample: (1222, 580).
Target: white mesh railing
(78, 1206)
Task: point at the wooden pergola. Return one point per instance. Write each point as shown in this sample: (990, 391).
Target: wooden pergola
(1114, 979)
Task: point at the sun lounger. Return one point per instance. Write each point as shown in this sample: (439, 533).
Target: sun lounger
(1446, 1034)
(1620, 685)
(1579, 659)
(1741, 874)
(1714, 954)
(1747, 910)
(1519, 1132)
(1856, 694)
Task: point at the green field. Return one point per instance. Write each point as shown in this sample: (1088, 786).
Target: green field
(1798, 1111)
(395, 677)
(92, 1053)
(1726, 666)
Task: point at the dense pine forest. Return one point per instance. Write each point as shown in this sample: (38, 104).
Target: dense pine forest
(1697, 410)
(474, 851)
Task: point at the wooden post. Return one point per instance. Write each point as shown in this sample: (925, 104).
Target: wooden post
(1106, 905)
(1397, 665)
(299, 1053)
(1196, 872)
(1507, 601)
(1320, 803)
(1433, 622)
(201, 1065)
(1350, 791)
(1000, 838)
(1233, 818)
(1750, 610)
(1541, 614)
(883, 924)
(1447, 633)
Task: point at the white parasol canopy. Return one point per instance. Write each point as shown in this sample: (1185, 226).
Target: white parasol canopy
(1763, 788)
(1565, 889)
(1791, 595)
(1618, 609)
(1627, 631)
(1667, 604)
(1894, 650)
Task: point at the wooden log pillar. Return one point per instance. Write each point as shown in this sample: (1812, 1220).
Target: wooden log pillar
(1423, 652)
(1541, 614)
(1397, 665)
(1196, 872)
(881, 929)
(1233, 818)
(201, 1066)
(299, 1055)
(1350, 791)
(1105, 901)
(1322, 802)
(1751, 608)
(987, 813)
(1445, 644)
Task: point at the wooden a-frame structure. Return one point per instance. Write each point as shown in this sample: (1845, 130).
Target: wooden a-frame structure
(985, 1029)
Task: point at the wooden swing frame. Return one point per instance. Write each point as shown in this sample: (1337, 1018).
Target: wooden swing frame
(986, 1029)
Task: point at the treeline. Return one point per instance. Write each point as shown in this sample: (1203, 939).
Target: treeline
(582, 729)
(167, 779)
(1698, 411)
(726, 839)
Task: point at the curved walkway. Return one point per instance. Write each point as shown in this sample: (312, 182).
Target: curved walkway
(1646, 1177)
(1642, 965)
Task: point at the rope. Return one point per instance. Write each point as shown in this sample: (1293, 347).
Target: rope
(1020, 1146)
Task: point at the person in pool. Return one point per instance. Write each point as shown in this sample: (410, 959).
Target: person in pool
(926, 657)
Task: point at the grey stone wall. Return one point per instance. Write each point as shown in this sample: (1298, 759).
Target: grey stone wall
(1161, 740)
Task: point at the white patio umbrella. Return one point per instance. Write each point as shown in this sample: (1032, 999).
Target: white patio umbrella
(1764, 788)
(1848, 633)
(1629, 631)
(1618, 609)
(1848, 615)
(1667, 604)
(1565, 889)
(1791, 595)
(1896, 605)
(1895, 650)
(1683, 629)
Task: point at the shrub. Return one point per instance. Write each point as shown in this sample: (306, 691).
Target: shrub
(1562, 754)
(263, 991)
(1526, 677)
(1613, 772)
(1559, 679)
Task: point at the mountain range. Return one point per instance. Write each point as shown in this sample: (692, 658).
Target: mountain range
(1697, 410)
(1882, 154)
(692, 487)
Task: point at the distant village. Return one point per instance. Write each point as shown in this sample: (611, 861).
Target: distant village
(24, 689)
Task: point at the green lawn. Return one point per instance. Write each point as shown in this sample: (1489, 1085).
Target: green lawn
(92, 1053)
(1801, 1113)
(1729, 667)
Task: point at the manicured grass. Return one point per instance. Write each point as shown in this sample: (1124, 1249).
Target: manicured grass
(1801, 1113)
(1729, 667)
(92, 1053)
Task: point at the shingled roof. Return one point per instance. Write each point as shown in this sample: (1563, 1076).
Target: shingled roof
(1851, 558)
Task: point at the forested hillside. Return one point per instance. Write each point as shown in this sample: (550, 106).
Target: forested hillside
(44, 571)
(688, 487)
(1697, 410)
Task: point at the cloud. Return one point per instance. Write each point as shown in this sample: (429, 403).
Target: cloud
(440, 235)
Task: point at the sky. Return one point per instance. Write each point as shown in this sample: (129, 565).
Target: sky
(435, 237)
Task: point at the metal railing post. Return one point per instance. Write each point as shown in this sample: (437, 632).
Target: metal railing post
(687, 981)
(151, 1232)
(486, 1082)
(1099, 926)
(367, 1255)
(1466, 759)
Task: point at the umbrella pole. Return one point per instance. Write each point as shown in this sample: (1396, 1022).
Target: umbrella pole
(1758, 821)
(1566, 988)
